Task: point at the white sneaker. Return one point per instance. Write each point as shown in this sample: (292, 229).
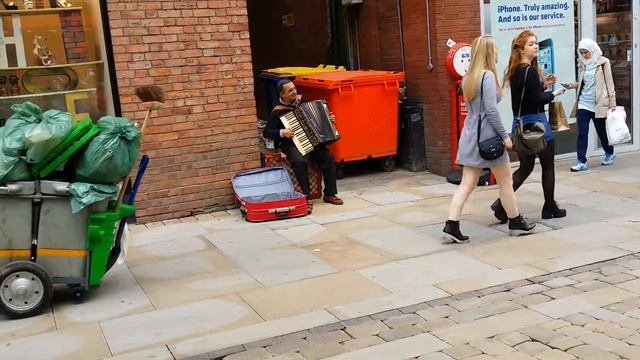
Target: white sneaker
(579, 167)
(608, 159)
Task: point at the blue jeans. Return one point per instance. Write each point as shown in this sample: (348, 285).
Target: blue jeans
(584, 117)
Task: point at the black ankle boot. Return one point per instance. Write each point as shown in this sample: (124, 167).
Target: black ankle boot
(551, 210)
(499, 212)
(452, 232)
(518, 226)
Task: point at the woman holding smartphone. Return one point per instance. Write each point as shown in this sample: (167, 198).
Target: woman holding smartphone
(596, 95)
(481, 94)
(528, 99)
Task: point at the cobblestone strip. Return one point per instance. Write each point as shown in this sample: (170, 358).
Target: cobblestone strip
(589, 312)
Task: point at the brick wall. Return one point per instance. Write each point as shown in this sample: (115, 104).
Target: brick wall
(458, 20)
(379, 35)
(274, 45)
(199, 53)
(75, 43)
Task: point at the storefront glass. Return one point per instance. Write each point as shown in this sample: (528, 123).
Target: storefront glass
(52, 53)
(559, 25)
(614, 26)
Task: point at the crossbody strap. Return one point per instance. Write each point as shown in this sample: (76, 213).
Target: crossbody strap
(524, 86)
(481, 105)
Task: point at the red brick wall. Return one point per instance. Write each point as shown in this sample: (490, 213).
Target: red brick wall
(458, 20)
(273, 45)
(379, 35)
(199, 53)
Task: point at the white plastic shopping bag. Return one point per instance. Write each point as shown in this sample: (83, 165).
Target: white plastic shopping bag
(617, 130)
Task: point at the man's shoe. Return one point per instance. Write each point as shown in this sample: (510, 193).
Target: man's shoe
(519, 226)
(332, 199)
(579, 166)
(451, 233)
(608, 159)
(499, 212)
(550, 211)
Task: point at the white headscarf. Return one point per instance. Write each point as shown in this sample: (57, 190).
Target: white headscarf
(592, 47)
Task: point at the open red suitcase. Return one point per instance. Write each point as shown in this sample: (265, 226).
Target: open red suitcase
(267, 194)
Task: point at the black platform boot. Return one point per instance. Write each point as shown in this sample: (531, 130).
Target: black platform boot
(551, 210)
(499, 212)
(519, 226)
(452, 232)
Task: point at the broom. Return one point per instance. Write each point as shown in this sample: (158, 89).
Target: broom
(152, 98)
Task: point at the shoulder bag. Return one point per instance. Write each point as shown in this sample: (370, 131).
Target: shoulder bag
(529, 141)
(492, 148)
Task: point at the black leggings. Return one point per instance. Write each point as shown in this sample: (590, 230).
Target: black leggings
(548, 171)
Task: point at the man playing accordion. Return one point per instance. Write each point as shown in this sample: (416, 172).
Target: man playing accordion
(283, 139)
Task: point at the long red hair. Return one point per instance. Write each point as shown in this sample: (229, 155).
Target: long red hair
(517, 46)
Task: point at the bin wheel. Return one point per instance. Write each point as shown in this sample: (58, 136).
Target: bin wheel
(387, 163)
(25, 289)
(339, 171)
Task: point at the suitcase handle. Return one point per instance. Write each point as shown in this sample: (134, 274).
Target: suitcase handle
(282, 210)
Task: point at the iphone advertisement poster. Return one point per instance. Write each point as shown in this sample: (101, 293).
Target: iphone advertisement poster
(553, 24)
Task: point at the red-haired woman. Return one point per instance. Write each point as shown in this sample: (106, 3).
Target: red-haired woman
(528, 99)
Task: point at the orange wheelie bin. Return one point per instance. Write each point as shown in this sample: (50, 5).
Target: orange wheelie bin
(365, 104)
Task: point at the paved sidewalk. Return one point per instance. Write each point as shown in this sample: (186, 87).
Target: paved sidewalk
(203, 284)
(590, 312)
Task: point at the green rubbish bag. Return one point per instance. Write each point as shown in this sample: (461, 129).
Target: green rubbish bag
(111, 155)
(46, 135)
(12, 168)
(83, 194)
(25, 117)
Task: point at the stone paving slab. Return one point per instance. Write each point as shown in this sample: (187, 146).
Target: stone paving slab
(388, 232)
(588, 325)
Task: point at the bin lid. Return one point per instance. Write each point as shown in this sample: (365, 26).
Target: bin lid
(332, 80)
(300, 70)
(78, 137)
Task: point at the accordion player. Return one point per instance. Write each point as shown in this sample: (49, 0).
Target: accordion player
(311, 125)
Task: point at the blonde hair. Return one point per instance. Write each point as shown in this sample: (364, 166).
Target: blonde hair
(517, 46)
(484, 55)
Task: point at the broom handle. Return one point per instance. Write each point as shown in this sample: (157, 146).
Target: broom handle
(126, 179)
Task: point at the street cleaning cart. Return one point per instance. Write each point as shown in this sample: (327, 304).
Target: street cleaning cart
(43, 243)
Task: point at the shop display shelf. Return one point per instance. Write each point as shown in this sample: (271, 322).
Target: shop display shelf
(25, 96)
(38, 11)
(99, 62)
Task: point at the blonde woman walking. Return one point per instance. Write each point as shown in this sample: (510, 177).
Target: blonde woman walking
(482, 93)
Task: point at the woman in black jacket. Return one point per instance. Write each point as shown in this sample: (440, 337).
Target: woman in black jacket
(524, 62)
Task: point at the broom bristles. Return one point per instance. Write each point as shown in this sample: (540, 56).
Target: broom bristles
(150, 93)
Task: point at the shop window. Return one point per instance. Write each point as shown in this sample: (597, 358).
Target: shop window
(52, 53)
(614, 28)
(556, 25)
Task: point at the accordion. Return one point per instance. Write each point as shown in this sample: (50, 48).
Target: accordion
(311, 125)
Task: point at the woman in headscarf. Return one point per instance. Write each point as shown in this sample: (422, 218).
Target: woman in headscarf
(596, 95)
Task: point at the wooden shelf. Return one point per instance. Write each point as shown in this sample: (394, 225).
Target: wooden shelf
(25, 96)
(38, 11)
(53, 66)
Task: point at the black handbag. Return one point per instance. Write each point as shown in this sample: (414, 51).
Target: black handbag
(529, 140)
(492, 148)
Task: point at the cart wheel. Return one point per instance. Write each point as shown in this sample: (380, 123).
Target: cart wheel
(387, 163)
(25, 289)
(79, 294)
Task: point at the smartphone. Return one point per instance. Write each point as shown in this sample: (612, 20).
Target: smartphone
(546, 57)
(565, 85)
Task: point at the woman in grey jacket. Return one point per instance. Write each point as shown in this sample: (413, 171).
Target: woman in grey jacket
(481, 94)
(596, 95)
